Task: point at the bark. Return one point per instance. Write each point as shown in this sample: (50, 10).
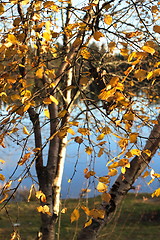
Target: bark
(122, 185)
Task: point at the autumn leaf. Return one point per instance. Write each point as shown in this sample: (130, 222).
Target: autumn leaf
(97, 213)
(78, 140)
(113, 172)
(148, 49)
(75, 215)
(89, 174)
(47, 36)
(62, 113)
(104, 179)
(100, 137)
(145, 174)
(101, 151)
(2, 177)
(46, 113)
(101, 187)
(1, 9)
(108, 19)
(84, 131)
(147, 152)
(44, 209)
(88, 223)
(40, 195)
(24, 159)
(156, 193)
(136, 152)
(156, 28)
(97, 35)
(25, 131)
(39, 73)
(106, 197)
(53, 99)
(133, 137)
(140, 74)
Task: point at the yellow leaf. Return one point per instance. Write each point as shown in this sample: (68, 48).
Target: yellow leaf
(101, 136)
(129, 116)
(24, 159)
(145, 174)
(46, 113)
(101, 151)
(123, 170)
(84, 131)
(47, 101)
(104, 95)
(97, 35)
(53, 99)
(97, 213)
(123, 143)
(88, 150)
(156, 193)
(62, 113)
(47, 36)
(39, 73)
(136, 152)
(70, 130)
(12, 39)
(147, 151)
(78, 140)
(106, 197)
(113, 165)
(25, 131)
(74, 123)
(64, 210)
(106, 130)
(133, 137)
(1, 9)
(148, 49)
(156, 28)
(104, 179)
(101, 187)
(89, 174)
(86, 210)
(4, 198)
(2, 177)
(88, 223)
(2, 161)
(108, 19)
(140, 74)
(44, 210)
(75, 215)
(113, 172)
(84, 53)
(40, 195)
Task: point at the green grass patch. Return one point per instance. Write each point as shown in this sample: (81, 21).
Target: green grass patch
(138, 218)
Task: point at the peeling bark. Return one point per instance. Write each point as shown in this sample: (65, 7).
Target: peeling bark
(123, 184)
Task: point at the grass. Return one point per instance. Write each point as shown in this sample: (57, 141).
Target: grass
(137, 218)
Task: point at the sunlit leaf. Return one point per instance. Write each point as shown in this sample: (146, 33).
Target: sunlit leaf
(2, 161)
(97, 213)
(156, 193)
(70, 130)
(145, 174)
(136, 152)
(25, 131)
(53, 99)
(88, 223)
(113, 172)
(24, 158)
(46, 113)
(133, 137)
(140, 74)
(101, 136)
(129, 116)
(44, 209)
(148, 49)
(104, 179)
(75, 215)
(40, 195)
(89, 174)
(108, 19)
(101, 187)
(2, 177)
(101, 151)
(84, 131)
(86, 210)
(39, 73)
(147, 151)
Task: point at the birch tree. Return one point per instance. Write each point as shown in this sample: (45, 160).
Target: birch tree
(47, 66)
